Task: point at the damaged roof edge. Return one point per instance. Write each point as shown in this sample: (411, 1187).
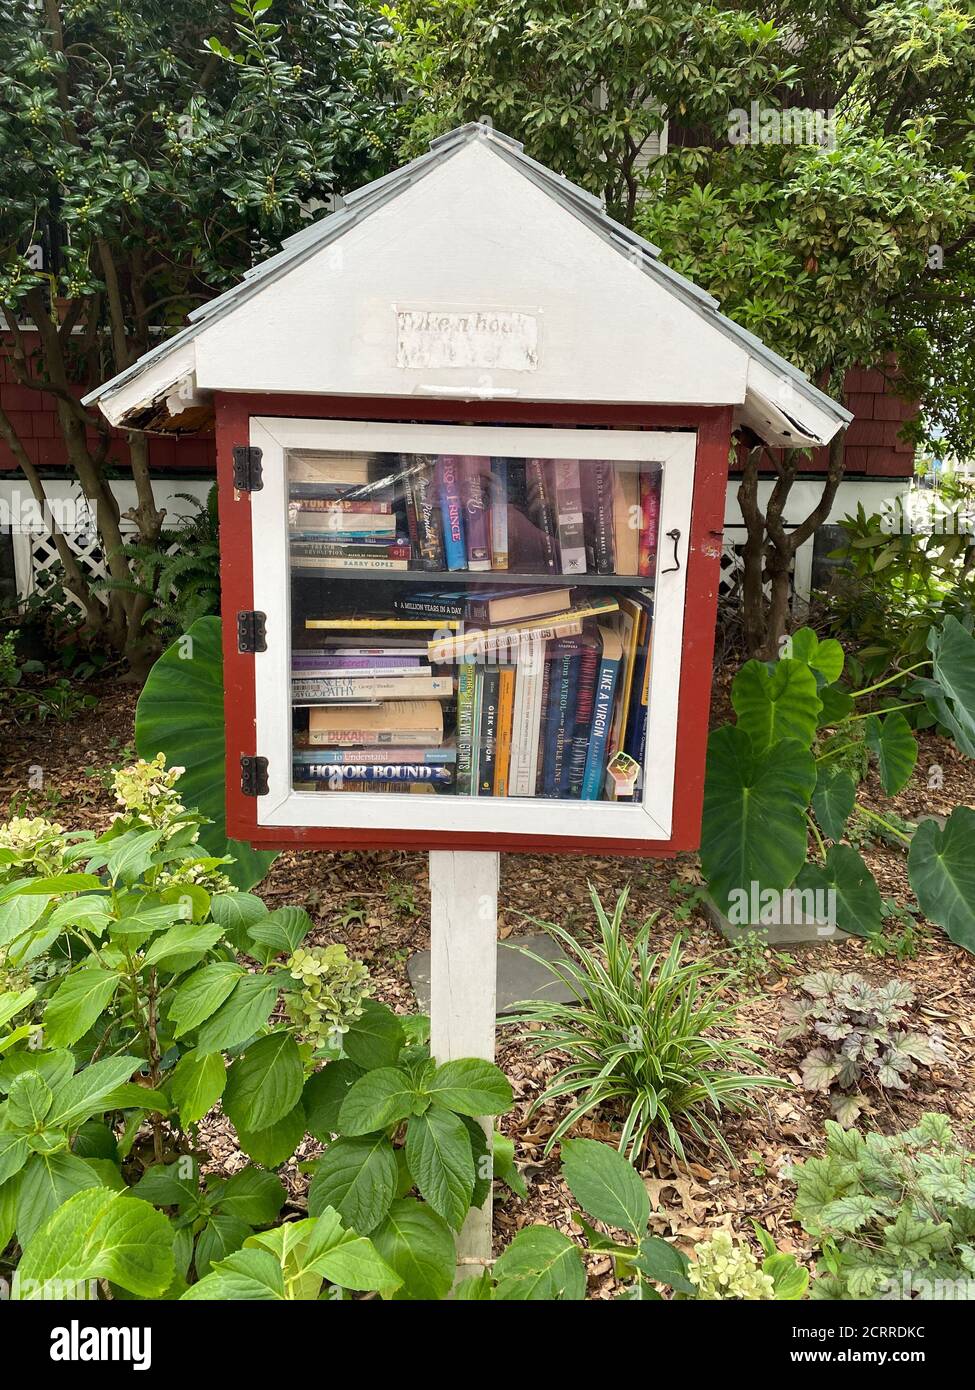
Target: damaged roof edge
(296, 249)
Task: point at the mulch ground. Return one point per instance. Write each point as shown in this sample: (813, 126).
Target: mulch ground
(377, 905)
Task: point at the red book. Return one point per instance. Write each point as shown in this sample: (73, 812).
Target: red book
(649, 519)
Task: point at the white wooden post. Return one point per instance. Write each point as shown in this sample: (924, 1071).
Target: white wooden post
(463, 990)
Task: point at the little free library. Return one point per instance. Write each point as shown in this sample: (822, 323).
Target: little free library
(472, 441)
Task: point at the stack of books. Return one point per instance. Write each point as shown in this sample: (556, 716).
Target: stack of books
(516, 692)
(453, 512)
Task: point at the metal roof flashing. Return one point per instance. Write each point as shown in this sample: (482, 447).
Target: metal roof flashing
(580, 203)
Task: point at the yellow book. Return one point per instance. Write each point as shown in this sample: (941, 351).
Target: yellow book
(631, 614)
(626, 519)
(506, 709)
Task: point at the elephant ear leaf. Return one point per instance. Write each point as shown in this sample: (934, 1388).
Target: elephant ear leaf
(893, 745)
(941, 869)
(833, 800)
(852, 898)
(180, 713)
(776, 704)
(951, 695)
(754, 828)
(826, 657)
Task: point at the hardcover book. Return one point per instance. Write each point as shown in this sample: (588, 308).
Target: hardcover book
(541, 512)
(568, 506)
(400, 722)
(474, 496)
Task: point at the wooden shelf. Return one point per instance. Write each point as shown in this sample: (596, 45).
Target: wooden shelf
(464, 578)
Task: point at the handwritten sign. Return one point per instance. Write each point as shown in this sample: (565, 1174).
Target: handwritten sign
(502, 339)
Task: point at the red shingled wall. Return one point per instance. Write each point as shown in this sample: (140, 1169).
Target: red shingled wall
(872, 446)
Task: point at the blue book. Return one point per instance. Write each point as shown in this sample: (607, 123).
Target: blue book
(338, 774)
(558, 731)
(602, 715)
(452, 511)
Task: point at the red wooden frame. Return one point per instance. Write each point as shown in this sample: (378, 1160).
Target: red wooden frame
(713, 426)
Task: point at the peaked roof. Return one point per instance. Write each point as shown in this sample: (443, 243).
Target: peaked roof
(760, 411)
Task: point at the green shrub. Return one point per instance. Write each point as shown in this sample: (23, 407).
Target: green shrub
(643, 1038)
(891, 1215)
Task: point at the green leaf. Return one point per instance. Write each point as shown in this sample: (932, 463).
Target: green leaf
(18, 915)
(378, 1099)
(952, 699)
(606, 1185)
(180, 713)
(354, 1263)
(201, 995)
(941, 869)
(130, 856)
(274, 1145)
(196, 1084)
(182, 943)
(892, 743)
(824, 656)
(375, 1039)
(858, 905)
(84, 1094)
(244, 1013)
(62, 883)
(265, 1084)
(80, 999)
(662, 1262)
(220, 1237)
(284, 929)
(248, 1276)
(504, 1165)
(438, 1151)
(236, 912)
(251, 1195)
(357, 1178)
(101, 1234)
(13, 1153)
(418, 1246)
(779, 704)
(29, 1101)
(833, 800)
(837, 704)
(48, 1180)
(471, 1087)
(165, 1185)
(754, 827)
(323, 1096)
(540, 1265)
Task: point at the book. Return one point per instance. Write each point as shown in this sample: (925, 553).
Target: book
(430, 605)
(561, 658)
(343, 773)
(466, 684)
(330, 663)
(451, 511)
(649, 519)
(640, 690)
(602, 548)
(339, 506)
(582, 715)
(630, 617)
(488, 731)
(427, 517)
(474, 498)
(509, 604)
(501, 640)
(627, 516)
(476, 727)
(525, 717)
(305, 466)
(597, 754)
(445, 754)
(499, 513)
(391, 483)
(349, 686)
(302, 522)
(400, 722)
(348, 550)
(347, 562)
(380, 624)
(541, 512)
(569, 516)
(506, 698)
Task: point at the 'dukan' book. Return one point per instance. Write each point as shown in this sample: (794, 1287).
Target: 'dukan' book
(403, 723)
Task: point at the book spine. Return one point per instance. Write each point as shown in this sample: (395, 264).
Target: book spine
(334, 535)
(334, 562)
(527, 662)
(582, 717)
(637, 730)
(499, 513)
(473, 494)
(539, 742)
(379, 625)
(452, 512)
(339, 506)
(373, 665)
(488, 732)
(409, 502)
(568, 694)
(435, 756)
(649, 520)
(571, 529)
(466, 678)
(476, 727)
(339, 550)
(341, 688)
(341, 738)
(541, 512)
(428, 519)
(506, 702)
(431, 607)
(597, 754)
(554, 670)
(602, 527)
(376, 772)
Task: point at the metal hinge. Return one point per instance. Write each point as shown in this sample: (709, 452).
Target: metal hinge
(253, 775)
(248, 474)
(251, 632)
